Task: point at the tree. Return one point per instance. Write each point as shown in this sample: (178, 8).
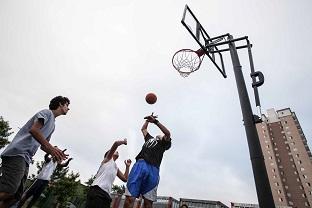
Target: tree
(63, 185)
(65, 188)
(118, 189)
(4, 132)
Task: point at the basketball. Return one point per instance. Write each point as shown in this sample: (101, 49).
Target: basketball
(151, 98)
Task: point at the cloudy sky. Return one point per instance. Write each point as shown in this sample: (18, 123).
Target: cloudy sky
(107, 55)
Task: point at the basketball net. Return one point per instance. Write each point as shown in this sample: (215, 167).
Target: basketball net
(186, 61)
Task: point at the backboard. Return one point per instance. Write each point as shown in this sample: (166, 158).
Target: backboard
(194, 27)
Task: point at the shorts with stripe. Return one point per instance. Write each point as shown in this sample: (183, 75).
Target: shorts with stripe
(143, 180)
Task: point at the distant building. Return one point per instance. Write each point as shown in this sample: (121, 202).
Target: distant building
(243, 205)
(162, 202)
(287, 158)
(196, 203)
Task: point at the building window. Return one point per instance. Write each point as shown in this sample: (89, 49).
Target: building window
(290, 137)
(268, 146)
(304, 195)
(307, 204)
(308, 184)
(292, 143)
(299, 162)
(280, 199)
(296, 172)
(297, 155)
(276, 184)
(295, 149)
(302, 169)
(273, 170)
(270, 157)
(305, 176)
(279, 191)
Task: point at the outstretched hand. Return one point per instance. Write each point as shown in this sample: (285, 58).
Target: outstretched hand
(151, 118)
(125, 142)
(58, 154)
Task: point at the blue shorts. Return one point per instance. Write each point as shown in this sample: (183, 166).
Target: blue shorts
(143, 178)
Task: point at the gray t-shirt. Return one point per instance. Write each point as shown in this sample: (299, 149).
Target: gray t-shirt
(24, 144)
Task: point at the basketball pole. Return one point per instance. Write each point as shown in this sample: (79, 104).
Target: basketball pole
(264, 193)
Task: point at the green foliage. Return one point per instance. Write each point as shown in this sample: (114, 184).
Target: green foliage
(65, 188)
(118, 189)
(4, 132)
(90, 181)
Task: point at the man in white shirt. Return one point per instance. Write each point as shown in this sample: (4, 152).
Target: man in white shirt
(99, 192)
(42, 180)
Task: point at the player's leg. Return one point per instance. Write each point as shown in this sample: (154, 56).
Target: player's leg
(14, 174)
(148, 203)
(36, 190)
(134, 183)
(29, 192)
(150, 185)
(129, 202)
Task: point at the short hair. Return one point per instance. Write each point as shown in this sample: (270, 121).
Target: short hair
(55, 102)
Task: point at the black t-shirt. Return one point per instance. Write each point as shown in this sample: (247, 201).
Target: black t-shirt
(153, 150)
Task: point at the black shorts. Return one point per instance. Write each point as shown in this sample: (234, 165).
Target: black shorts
(14, 173)
(97, 198)
(36, 188)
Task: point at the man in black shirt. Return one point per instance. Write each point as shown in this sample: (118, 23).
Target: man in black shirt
(144, 175)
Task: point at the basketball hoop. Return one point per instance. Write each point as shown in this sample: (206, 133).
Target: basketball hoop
(186, 61)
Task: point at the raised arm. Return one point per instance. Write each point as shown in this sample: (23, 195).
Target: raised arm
(153, 119)
(45, 145)
(144, 128)
(124, 177)
(114, 147)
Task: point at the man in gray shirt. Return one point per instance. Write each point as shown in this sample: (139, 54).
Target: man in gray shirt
(18, 154)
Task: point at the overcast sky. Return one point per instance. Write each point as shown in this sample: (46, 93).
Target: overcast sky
(107, 55)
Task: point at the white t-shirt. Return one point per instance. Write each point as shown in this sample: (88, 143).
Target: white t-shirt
(106, 175)
(47, 170)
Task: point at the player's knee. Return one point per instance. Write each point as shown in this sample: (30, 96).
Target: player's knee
(148, 203)
(129, 202)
